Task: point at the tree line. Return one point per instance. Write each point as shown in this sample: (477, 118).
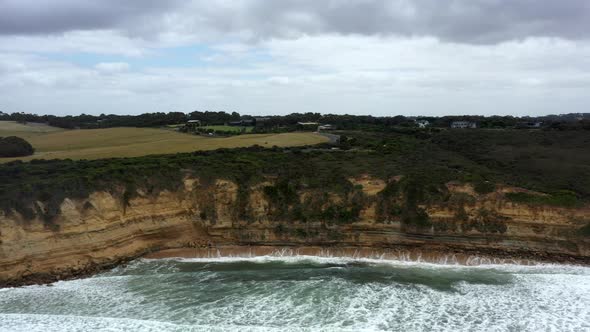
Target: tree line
(347, 122)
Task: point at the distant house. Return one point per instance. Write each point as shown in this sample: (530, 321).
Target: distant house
(422, 123)
(326, 127)
(529, 125)
(193, 123)
(463, 124)
(260, 122)
(241, 123)
(307, 125)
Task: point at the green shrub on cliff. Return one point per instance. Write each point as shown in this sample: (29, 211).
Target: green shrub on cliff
(484, 187)
(585, 231)
(561, 198)
(286, 203)
(486, 221)
(414, 194)
(388, 206)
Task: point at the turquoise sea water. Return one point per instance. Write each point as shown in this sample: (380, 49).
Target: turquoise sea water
(306, 294)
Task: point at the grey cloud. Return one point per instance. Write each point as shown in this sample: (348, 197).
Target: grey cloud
(463, 21)
(471, 21)
(26, 17)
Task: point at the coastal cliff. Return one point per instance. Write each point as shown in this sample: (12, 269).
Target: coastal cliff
(108, 228)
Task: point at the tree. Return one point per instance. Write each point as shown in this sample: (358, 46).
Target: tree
(13, 146)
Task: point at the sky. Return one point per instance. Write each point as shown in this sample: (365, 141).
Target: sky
(263, 57)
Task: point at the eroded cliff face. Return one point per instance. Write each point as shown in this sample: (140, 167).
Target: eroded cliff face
(104, 230)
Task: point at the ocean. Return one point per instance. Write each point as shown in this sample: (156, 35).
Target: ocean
(305, 293)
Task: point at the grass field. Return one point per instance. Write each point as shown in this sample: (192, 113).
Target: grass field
(12, 128)
(54, 143)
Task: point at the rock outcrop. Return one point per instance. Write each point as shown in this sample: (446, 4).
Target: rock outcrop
(104, 230)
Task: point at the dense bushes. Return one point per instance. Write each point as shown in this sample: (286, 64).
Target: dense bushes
(561, 198)
(481, 157)
(487, 222)
(401, 200)
(585, 230)
(13, 146)
(484, 187)
(286, 203)
(545, 161)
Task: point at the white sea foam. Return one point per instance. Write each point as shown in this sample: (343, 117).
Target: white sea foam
(52, 323)
(214, 294)
(343, 260)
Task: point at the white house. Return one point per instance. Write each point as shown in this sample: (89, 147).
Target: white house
(422, 123)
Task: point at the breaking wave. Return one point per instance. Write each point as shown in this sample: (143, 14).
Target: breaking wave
(306, 293)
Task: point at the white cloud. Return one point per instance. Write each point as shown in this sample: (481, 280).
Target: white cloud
(283, 80)
(329, 73)
(112, 67)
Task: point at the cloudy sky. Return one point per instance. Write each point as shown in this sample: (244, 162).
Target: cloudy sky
(412, 57)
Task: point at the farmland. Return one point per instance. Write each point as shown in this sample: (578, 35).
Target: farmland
(55, 143)
(12, 128)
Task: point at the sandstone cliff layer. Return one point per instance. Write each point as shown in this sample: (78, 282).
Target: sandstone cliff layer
(103, 229)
